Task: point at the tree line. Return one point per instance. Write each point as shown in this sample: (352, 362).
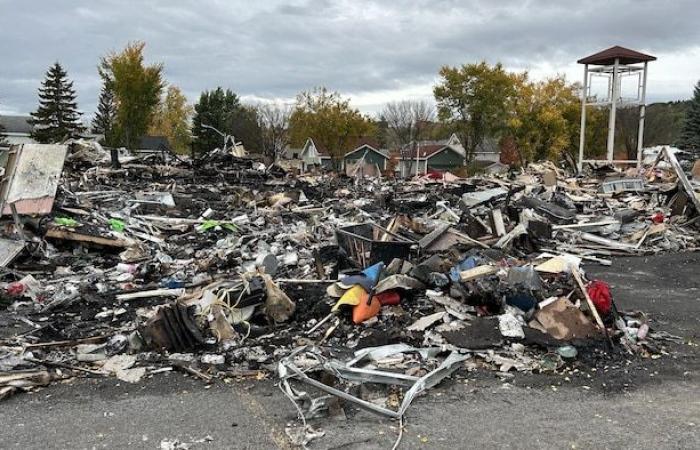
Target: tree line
(530, 120)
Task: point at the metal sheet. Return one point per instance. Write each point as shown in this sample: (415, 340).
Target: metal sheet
(9, 250)
(478, 197)
(288, 371)
(615, 185)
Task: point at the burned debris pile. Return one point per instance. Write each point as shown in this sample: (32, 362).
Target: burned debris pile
(232, 268)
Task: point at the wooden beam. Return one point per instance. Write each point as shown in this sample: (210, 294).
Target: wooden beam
(477, 272)
(70, 235)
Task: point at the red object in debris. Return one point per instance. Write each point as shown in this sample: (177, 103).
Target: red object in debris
(435, 174)
(599, 292)
(482, 310)
(658, 218)
(15, 288)
(389, 298)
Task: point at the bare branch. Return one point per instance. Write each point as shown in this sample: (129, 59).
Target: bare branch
(407, 120)
(273, 119)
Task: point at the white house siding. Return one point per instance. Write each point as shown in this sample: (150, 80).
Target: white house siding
(487, 156)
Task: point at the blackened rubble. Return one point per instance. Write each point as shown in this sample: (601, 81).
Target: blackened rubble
(233, 268)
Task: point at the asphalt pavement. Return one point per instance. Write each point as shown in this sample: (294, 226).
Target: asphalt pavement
(626, 403)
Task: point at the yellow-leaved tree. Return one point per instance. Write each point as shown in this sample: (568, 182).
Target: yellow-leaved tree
(475, 100)
(545, 120)
(539, 122)
(136, 87)
(172, 119)
(328, 118)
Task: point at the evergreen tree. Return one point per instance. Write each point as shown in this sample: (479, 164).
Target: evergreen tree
(103, 122)
(223, 110)
(57, 117)
(690, 136)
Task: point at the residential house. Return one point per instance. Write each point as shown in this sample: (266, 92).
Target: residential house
(310, 156)
(291, 153)
(154, 143)
(17, 129)
(425, 156)
(488, 150)
(289, 159)
(150, 145)
(367, 153)
(314, 156)
(454, 142)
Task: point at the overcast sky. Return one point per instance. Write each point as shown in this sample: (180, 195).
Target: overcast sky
(372, 51)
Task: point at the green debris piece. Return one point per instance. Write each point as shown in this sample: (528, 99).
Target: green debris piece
(230, 227)
(117, 225)
(65, 222)
(217, 224)
(208, 225)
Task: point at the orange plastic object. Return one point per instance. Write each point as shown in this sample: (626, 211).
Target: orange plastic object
(363, 311)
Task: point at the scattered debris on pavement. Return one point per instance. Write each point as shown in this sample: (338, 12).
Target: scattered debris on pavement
(228, 268)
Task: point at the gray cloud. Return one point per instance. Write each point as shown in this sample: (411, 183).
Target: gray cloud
(277, 48)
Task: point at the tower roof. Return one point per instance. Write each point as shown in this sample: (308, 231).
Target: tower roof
(608, 56)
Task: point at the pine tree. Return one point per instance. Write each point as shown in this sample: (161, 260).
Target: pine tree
(57, 117)
(103, 123)
(690, 136)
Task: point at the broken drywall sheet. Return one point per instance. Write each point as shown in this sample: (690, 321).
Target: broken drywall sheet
(31, 178)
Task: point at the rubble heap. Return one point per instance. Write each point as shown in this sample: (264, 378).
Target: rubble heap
(230, 268)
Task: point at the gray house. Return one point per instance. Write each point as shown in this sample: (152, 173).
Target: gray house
(17, 129)
(488, 150)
